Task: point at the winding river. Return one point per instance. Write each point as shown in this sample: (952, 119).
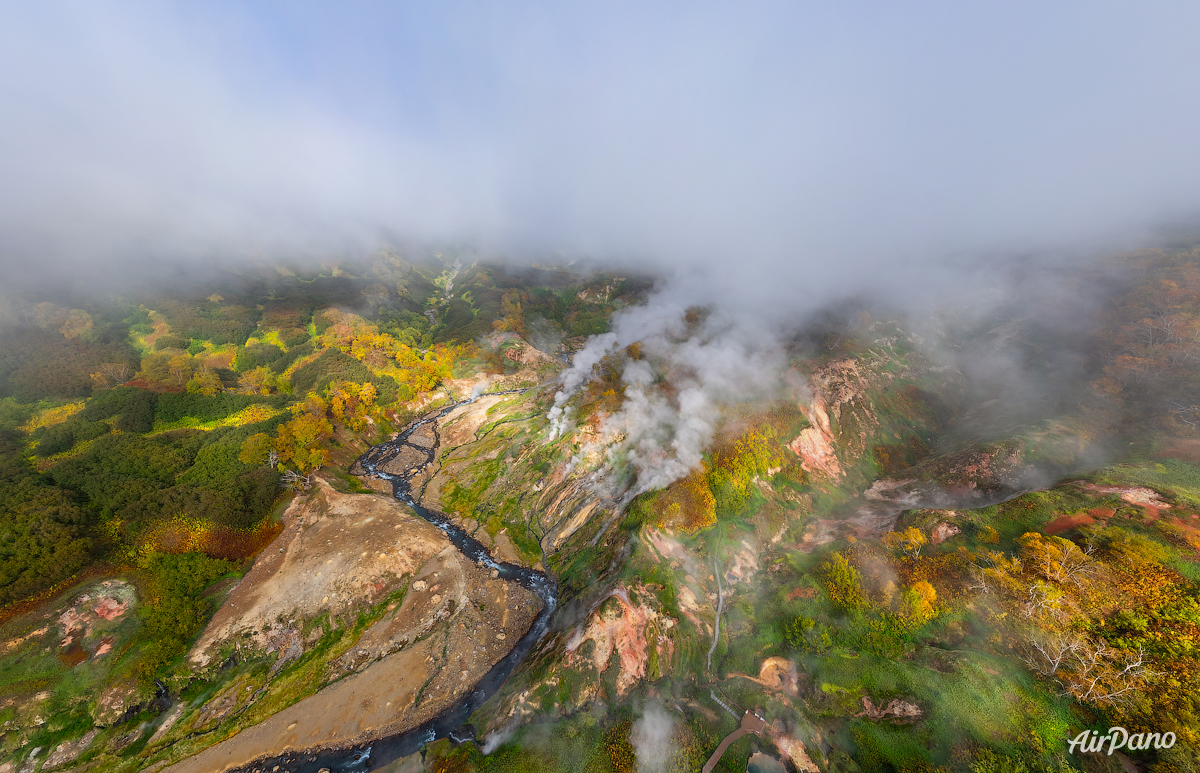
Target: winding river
(374, 754)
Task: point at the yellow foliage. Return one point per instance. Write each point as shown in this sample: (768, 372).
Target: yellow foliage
(76, 323)
(255, 449)
(51, 416)
(367, 394)
(251, 414)
(351, 403)
(920, 602)
(688, 504)
(205, 382)
(257, 381)
(842, 582)
(908, 541)
(375, 349)
(752, 455)
(313, 405)
(298, 441)
(1056, 558)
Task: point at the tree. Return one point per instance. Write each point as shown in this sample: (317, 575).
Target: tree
(180, 368)
(298, 441)
(205, 382)
(1044, 599)
(513, 316)
(996, 573)
(374, 349)
(255, 449)
(842, 582)
(111, 374)
(919, 602)
(1091, 671)
(256, 382)
(908, 542)
(297, 482)
(367, 394)
(1057, 559)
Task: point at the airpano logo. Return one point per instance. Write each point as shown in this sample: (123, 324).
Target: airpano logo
(1119, 738)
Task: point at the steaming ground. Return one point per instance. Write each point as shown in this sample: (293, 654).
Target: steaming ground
(652, 738)
(656, 437)
(1020, 348)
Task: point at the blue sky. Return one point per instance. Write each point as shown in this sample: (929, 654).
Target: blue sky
(823, 140)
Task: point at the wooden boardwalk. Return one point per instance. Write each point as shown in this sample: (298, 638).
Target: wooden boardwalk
(751, 723)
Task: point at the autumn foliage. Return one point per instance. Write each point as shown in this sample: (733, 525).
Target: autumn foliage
(688, 504)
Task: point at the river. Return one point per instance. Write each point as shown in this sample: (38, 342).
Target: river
(371, 755)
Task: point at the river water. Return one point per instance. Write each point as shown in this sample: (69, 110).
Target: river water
(372, 755)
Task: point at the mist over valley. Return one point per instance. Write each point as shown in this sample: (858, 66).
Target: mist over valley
(595, 389)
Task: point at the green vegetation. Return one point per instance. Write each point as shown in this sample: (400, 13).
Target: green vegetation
(174, 612)
(333, 366)
(45, 535)
(151, 441)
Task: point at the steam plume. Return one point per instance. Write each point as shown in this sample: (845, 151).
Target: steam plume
(661, 436)
(651, 737)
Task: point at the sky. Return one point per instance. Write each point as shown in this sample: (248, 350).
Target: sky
(761, 147)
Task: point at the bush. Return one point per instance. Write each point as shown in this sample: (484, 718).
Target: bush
(175, 613)
(44, 534)
(842, 582)
(175, 406)
(257, 355)
(60, 438)
(293, 338)
(332, 366)
(171, 342)
(120, 469)
(291, 355)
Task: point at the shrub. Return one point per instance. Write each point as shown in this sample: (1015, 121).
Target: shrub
(171, 342)
(842, 582)
(332, 366)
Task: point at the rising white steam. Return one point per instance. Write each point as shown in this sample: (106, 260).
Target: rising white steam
(576, 376)
(651, 737)
(497, 738)
(660, 435)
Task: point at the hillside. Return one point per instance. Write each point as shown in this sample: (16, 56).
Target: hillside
(905, 546)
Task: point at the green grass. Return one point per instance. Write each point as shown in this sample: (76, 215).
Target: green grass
(1178, 480)
(985, 699)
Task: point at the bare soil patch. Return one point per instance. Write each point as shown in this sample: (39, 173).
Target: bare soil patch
(455, 623)
(340, 553)
(336, 552)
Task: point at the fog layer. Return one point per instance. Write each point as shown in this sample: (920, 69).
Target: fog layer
(775, 150)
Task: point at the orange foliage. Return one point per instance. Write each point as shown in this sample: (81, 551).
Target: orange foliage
(299, 440)
(1149, 585)
(185, 535)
